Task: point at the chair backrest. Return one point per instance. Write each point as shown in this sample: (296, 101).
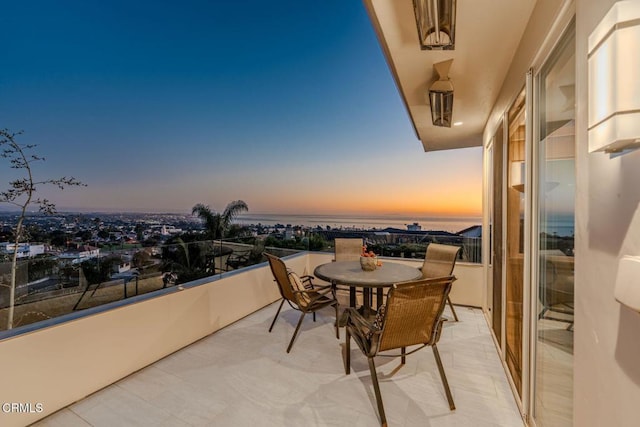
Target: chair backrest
(439, 260)
(348, 249)
(280, 273)
(557, 285)
(413, 313)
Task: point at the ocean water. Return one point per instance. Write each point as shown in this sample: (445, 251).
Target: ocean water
(561, 226)
(452, 224)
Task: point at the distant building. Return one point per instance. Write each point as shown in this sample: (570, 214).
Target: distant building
(25, 250)
(80, 254)
(414, 227)
(167, 230)
(122, 267)
(472, 232)
(288, 232)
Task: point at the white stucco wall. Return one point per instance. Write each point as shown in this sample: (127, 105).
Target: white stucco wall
(607, 335)
(58, 365)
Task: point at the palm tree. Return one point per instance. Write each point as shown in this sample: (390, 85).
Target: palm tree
(186, 260)
(217, 224)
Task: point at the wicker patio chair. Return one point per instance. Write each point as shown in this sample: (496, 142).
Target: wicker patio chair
(300, 293)
(556, 289)
(411, 316)
(347, 249)
(439, 261)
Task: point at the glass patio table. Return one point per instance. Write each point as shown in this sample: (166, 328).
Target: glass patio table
(349, 273)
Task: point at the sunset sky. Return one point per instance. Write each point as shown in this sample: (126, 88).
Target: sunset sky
(159, 105)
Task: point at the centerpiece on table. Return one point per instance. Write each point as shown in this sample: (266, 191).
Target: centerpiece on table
(369, 260)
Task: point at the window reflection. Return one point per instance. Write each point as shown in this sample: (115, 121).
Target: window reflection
(556, 212)
(515, 240)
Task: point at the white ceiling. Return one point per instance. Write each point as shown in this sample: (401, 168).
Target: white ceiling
(487, 35)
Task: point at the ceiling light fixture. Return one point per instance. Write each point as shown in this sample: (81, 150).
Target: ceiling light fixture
(436, 21)
(457, 124)
(441, 95)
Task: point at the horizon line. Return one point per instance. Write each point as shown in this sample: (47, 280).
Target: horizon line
(341, 214)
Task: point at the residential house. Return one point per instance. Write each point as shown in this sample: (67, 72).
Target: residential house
(79, 254)
(25, 250)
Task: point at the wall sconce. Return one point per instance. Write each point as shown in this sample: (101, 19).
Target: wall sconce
(614, 88)
(436, 20)
(441, 96)
(627, 290)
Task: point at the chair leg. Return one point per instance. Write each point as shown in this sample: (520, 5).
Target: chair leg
(455, 316)
(314, 316)
(278, 312)
(295, 332)
(445, 383)
(347, 349)
(337, 327)
(403, 359)
(376, 389)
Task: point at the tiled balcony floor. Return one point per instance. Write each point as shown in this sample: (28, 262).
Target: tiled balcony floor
(242, 376)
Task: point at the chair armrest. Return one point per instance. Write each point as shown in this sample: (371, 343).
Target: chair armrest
(307, 280)
(321, 287)
(314, 294)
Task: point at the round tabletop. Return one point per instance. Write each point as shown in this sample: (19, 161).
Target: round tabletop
(350, 273)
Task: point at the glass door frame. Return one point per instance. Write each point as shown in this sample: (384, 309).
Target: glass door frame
(495, 254)
(566, 23)
(523, 399)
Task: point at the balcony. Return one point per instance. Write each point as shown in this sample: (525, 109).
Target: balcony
(201, 354)
(51, 286)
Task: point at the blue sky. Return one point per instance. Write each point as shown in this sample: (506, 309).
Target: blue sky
(160, 105)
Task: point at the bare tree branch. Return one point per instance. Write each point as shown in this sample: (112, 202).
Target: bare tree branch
(20, 194)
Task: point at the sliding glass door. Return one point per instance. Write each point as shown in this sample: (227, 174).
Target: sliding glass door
(553, 405)
(496, 252)
(515, 247)
(531, 223)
